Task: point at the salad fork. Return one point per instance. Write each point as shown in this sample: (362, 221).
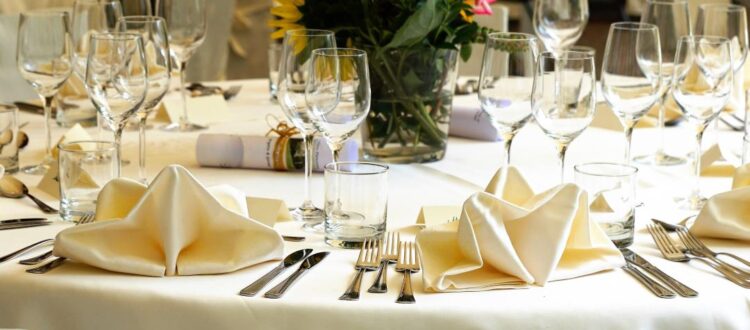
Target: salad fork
(694, 244)
(408, 262)
(390, 255)
(368, 260)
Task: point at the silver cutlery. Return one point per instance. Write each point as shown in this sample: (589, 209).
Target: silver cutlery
(24, 250)
(293, 258)
(658, 289)
(732, 126)
(308, 263)
(368, 260)
(289, 238)
(408, 262)
(21, 225)
(642, 263)
(13, 188)
(21, 220)
(36, 260)
(60, 260)
(389, 256)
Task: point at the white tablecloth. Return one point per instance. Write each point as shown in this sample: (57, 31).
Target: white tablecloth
(76, 296)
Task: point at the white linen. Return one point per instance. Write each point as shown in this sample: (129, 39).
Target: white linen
(727, 215)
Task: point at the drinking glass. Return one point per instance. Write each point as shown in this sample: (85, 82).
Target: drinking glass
(611, 190)
(338, 94)
(137, 8)
(117, 79)
(673, 20)
(43, 56)
(564, 108)
(153, 32)
(89, 17)
(8, 138)
(274, 62)
(85, 167)
(506, 82)
(186, 23)
(631, 73)
(356, 202)
(701, 86)
(559, 23)
(293, 76)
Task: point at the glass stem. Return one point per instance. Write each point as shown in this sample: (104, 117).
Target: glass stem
(118, 148)
(660, 127)
(507, 141)
(308, 141)
(562, 148)
(695, 194)
(184, 119)
(142, 147)
(629, 124)
(48, 127)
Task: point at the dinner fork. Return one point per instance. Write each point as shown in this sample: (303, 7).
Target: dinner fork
(59, 260)
(368, 260)
(408, 262)
(389, 255)
(695, 244)
(671, 252)
(44, 256)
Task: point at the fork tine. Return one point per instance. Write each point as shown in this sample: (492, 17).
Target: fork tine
(660, 239)
(416, 257)
(362, 252)
(689, 240)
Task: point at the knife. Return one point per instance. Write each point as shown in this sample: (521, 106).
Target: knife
(676, 285)
(21, 220)
(658, 289)
(21, 225)
(293, 258)
(309, 262)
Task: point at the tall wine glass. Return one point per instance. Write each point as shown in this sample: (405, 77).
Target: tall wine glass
(117, 79)
(153, 31)
(673, 20)
(186, 22)
(338, 94)
(506, 82)
(91, 16)
(564, 108)
(559, 23)
(702, 85)
(44, 59)
(293, 75)
(631, 73)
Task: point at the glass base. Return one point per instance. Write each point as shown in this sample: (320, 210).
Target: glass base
(39, 169)
(692, 203)
(311, 217)
(659, 158)
(182, 127)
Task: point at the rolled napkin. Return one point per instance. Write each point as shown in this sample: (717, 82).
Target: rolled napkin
(507, 237)
(727, 215)
(173, 227)
(266, 152)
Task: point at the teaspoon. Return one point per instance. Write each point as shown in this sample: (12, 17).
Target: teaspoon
(13, 188)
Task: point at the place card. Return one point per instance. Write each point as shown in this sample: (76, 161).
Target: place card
(267, 210)
(202, 110)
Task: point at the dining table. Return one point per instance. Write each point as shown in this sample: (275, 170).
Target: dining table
(78, 296)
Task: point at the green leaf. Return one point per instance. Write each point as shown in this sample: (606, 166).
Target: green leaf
(411, 81)
(418, 25)
(465, 51)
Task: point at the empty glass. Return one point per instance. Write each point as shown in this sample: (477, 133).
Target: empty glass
(85, 167)
(9, 138)
(702, 84)
(559, 23)
(564, 108)
(611, 191)
(506, 82)
(91, 16)
(274, 62)
(356, 202)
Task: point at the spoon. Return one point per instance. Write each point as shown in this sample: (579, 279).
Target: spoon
(13, 188)
(23, 140)
(6, 137)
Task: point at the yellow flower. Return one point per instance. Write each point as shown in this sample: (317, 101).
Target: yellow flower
(288, 17)
(466, 17)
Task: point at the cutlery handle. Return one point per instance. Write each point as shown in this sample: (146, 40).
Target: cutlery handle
(47, 267)
(280, 288)
(739, 273)
(42, 205)
(24, 250)
(380, 285)
(730, 275)
(35, 260)
(352, 293)
(658, 289)
(735, 257)
(677, 286)
(253, 289)
(407, 295)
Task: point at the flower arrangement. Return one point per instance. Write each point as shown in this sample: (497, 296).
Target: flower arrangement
(413, 46)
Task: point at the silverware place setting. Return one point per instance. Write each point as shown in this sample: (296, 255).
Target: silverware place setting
(388, 256)
(408, 263)
(633, 259)
(309, 262)
(11, 187)
(35, 260)
(293, 258)
(369, 259)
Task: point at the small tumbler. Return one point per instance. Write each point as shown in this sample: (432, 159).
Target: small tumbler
(356, 202)
(9, 138)
(85, 167)
(274, 63)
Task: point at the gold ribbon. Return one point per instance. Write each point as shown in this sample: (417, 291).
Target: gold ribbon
(285, 133)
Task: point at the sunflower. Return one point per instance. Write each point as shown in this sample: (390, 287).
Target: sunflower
(468, 17)
(287, 17)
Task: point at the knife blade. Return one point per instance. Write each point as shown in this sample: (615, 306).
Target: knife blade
(677, 286)
(293, 258)
(2, 222)
(308, 263)
(656, 288)
(25, 225)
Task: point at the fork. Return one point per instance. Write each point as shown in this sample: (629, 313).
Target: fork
(672, 253)
(59, 260)
(695, 244)
(368, 260)
(389, 255)
(408, 262)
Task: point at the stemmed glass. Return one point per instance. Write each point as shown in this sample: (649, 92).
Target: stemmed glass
(631, 73)
(673, 20)
(559, 23)
(293, 75)
(44, 59)
(153, 31)
(506, 82)
(117, 79)
(186, 23)
(564, 108)
(702, 85)
(91, 16)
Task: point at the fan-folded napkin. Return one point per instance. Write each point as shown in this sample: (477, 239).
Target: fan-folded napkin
(509, 237)
(173, 227)
(727, 215)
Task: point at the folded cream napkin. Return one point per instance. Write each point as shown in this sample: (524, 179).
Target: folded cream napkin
(173, 227)
(727, 215)
(507, 237)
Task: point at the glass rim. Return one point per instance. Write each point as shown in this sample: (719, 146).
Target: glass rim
(141, 18)
(45, 12)
(631, 170)
(500, 36)
(381, 168)
(347, 52)
(710, 38)
(119, 36)
(636, 26)
(577, 55)
(66, 147)
(667, 2)
(730, 6)
(309, 32)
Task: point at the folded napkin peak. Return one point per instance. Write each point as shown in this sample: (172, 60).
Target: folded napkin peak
(175, 226)
(727, 214)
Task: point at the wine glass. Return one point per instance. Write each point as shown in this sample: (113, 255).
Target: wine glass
(186, 23)
(673, 20)
(91, 16)
(631, 73)
(506, 82)
(153, 31)
(702, 85)
(44, 59)
(117, 79)
(564, 108)
(559, 23)
(137, 8)
(293, 75)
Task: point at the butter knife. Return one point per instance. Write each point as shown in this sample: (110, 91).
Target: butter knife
(293, 258)
(309, 262)
(658, 289)
(677, 286)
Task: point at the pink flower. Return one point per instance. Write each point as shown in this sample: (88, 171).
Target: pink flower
(482, 7)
